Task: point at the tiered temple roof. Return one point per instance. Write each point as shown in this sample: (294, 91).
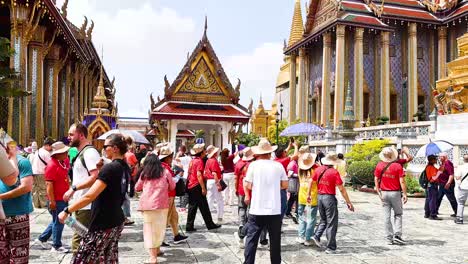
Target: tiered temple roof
(80, 43)
(201, 91)
(379, 15)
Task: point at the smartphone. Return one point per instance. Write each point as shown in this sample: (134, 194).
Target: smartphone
(291, 139)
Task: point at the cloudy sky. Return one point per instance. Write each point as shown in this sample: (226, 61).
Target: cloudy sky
(145, 39)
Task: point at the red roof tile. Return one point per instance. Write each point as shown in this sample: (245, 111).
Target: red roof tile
(194, 111)
(392, 11)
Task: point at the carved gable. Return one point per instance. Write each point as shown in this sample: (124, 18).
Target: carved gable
(202, 79)
(321, 13)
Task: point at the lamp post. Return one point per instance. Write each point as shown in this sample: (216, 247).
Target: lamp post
(277, 125)
(281, 111)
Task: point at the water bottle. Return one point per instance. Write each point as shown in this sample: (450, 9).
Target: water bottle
(78, 227)
(2, 212)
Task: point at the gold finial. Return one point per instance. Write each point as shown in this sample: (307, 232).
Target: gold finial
(100, 99)
(206, 27)
(297, 26)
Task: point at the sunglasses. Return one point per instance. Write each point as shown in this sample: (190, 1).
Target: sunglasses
(105, 146)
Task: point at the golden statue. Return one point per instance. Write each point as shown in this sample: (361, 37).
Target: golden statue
(233, 134)
(451, 90)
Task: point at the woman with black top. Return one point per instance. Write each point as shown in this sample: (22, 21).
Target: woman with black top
(100, 245)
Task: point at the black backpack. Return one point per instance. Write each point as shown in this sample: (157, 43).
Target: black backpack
(423, 181)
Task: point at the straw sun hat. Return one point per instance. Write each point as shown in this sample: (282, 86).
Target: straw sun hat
(248, 154)
(58, 148)
(331, 159)
(388, 154)
(165, 152)
(264, 147)
(306, 161)
(197, 148)
(211, 150)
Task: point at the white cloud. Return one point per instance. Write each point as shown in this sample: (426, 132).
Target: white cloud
(141, 44)
(146, 40)
(257, 71)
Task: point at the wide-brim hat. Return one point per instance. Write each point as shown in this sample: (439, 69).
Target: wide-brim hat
(164, 152)
(331, 159)
(304, 149)
(388, 154)
(211, 150)
(197, 148)
(58, 148)
(263, 147)
(306, 161)
(248, 154)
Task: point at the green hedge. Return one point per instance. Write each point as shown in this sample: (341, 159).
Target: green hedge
(362, 172)
(412, 185)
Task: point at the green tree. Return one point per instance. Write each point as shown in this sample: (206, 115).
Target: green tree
(272, 133)
(9, 79)
(200, 134)
(248, 140)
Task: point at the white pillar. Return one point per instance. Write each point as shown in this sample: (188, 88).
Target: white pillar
(173, 133)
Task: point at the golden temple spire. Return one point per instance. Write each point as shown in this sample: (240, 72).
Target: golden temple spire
(297, 26)
(100, 99)
(206, 27)
(260, 105)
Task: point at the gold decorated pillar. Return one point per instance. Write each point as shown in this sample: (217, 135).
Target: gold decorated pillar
(292, 89)
(68, 101)
(302, 94)
(82, 91)
(385, 74)
(86, 93)
(358, 74)
(76, 98)
(339, 75)
(325, 93)
(412, 70)
(442, 51)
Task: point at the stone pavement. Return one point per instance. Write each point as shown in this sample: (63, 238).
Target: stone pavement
(360, 239)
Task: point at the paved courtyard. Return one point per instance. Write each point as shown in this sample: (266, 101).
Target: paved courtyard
(360, 239)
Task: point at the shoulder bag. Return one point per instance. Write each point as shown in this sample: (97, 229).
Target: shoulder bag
(293, 184)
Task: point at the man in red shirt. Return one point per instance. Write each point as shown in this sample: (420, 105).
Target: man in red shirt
(197, 190)
(327, 179)
(132, 162)
(56, 176)
(166, 156)
(390, 185)
(432, 191)
(282, 157)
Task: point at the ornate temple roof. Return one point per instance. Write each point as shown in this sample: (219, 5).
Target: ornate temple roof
(80, 42)
(376, 14)
(201, 91)
(200, 111)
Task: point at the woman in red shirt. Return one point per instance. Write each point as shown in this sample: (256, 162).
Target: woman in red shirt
(228, 175)
(56, 176)
(197, 191)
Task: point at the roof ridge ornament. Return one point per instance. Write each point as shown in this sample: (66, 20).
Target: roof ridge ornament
(378, 10)
(64, 9)
(439, 5)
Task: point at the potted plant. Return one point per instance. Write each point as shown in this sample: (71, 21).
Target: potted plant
(383, 120)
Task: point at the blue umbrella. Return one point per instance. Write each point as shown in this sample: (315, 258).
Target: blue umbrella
(302, 129)
(434, 148)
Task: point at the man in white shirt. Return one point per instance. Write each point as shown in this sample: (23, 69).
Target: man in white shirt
(461, 188)
(264, 179)
(85, 172)
(39, 162)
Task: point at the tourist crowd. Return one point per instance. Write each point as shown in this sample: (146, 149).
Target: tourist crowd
(91, 192)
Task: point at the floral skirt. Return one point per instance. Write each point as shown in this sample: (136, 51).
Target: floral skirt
(101, 246)
(14, 239)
